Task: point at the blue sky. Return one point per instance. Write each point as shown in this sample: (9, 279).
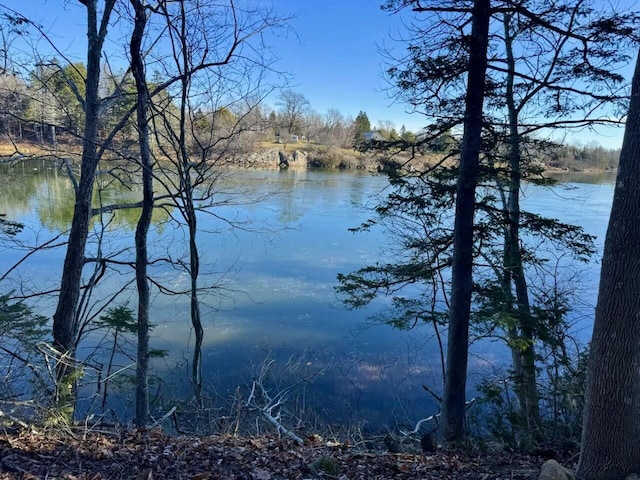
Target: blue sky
(332, 53)
(336, 60)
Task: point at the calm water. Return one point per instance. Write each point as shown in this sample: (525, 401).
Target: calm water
(275, 296)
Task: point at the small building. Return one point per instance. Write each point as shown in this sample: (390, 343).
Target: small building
(373, 137)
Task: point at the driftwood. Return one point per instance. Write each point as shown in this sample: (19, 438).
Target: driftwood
(270, 407)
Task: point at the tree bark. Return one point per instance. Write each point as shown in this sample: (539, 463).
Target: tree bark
(525, 367)
(142, 282)
(187, 193)
(196, 319)
(453, 412)
(65, 318)
(611, 424)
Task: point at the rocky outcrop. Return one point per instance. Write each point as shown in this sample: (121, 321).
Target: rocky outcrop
(298, 157)
(274, 157)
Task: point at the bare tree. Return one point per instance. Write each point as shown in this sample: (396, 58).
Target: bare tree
(142, 229)
(65, 318)
(124, 97)
(337, 130)
(204, 127)
(313, 125)
(14, 103)
(293, 106)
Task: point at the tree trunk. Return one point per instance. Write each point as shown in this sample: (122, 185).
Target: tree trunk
(526, 381)
(611, 424)
(189, 212)
(196, 320)
(65, 318)
(142, 282)
(453, 412)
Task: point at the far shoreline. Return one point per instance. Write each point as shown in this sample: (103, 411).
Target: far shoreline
(284, 156)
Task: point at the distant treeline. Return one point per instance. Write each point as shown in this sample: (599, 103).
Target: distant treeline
(571, 157)
(41, 107)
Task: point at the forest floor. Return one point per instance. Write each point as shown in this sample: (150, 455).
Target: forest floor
(154, 455)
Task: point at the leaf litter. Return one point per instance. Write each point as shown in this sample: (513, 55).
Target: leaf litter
(153, 455)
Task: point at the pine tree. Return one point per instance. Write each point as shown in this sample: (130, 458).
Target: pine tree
(362, 126)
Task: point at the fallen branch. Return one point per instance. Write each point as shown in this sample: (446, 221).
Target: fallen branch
(280, 428)
(433, 417)
(267, 409)
(14, 419)
(163, 418)
(268, 404)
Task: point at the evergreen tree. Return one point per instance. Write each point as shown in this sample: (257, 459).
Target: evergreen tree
(361, 126)
(571, 41)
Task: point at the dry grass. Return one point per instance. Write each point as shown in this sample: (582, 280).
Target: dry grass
(7, 149)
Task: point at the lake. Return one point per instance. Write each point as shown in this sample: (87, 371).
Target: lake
(274, 297)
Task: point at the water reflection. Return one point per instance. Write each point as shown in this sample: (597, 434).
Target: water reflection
(41, 190)
(277, 297)
(593, 178)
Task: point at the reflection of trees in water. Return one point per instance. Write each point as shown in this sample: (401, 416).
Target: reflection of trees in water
(44, 186)
(356, 385)
(19, 184)
(595, 178)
